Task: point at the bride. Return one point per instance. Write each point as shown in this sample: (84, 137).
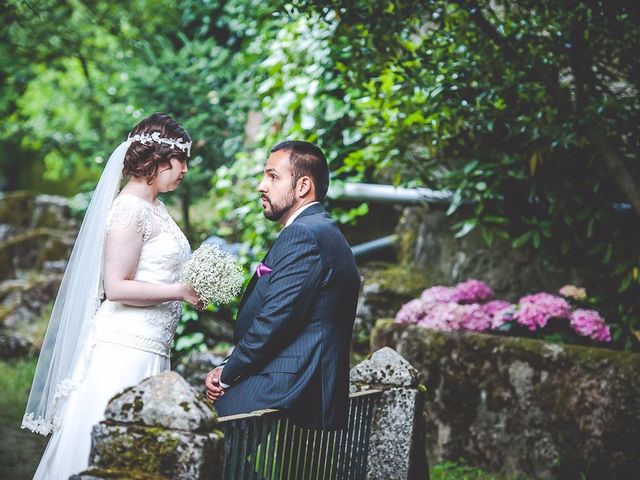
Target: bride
(130, 250)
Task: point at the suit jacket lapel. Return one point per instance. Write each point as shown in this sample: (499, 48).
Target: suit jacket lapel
(247, 292)
(313, 209)
(251, 285)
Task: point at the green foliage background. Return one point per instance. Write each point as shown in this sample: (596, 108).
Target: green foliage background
(528, 111)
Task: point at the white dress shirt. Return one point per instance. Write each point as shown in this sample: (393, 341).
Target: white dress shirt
(298, 212)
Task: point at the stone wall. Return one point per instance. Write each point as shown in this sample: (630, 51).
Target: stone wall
(426, 243)
(36, 236)
(521, 406)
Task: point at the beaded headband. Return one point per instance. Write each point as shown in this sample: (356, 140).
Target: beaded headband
(178, 143)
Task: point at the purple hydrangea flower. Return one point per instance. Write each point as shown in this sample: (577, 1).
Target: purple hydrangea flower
(438, 294)
(475, 318)
(500, 312)
(589, 323)
(603, 335)
(495, 306)
(411, 312)
(443, 316)
(473, 291)
(535, 310)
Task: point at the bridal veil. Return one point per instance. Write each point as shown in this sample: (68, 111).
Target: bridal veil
(66, 347)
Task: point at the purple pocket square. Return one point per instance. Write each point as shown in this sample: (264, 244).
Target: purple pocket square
(262, 269)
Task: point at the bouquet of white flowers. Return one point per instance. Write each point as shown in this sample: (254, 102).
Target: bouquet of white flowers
(214, 274)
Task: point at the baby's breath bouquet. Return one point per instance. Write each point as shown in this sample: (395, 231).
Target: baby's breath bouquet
(214, 274)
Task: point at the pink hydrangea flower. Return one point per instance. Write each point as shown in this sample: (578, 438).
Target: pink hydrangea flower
(474, 318)
(469, 306)
(589, 323)
(443, 316)
(438, 294)
(451, 316)
(411, 312)
(495, 306)
(603, 335)
(473, 291)
(500, 312)
(534, 311)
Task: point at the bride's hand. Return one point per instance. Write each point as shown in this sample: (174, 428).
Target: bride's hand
(191, 297)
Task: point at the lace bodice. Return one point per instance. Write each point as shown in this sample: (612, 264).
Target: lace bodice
(164, 252)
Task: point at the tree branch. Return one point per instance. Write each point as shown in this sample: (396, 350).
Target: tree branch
(85, 70)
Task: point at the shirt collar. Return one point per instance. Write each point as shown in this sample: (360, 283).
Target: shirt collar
(298, 212)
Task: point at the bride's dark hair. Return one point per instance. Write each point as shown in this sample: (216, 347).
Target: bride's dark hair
(145, 159)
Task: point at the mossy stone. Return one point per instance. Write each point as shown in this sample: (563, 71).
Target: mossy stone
(30, 249)
(524, 406)
(399, 280)
(144, 452)
(16, 208)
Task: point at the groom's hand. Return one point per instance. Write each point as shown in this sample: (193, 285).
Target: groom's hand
(212, 384)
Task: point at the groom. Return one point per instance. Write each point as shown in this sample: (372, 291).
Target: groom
(295, 320)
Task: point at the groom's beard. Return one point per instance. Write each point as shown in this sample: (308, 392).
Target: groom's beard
(275, 211)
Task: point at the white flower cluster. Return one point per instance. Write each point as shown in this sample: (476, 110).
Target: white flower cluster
(214, 274)
(179, 143)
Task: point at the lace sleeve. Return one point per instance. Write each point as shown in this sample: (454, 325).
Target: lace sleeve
(128, 211)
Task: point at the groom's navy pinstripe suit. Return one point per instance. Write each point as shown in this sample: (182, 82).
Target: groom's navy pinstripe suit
(293, 329)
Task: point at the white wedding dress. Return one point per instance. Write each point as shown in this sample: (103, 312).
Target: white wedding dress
(129, 343)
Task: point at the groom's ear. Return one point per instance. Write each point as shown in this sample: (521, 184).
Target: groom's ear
(305, 187)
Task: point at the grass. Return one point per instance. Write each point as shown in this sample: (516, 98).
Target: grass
(20, 450)
(461, 471)
(15, 381)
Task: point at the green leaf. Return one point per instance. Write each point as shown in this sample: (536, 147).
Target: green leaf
(621, 267)
(470, 167)
(502, 234)
(626, 283)
(467, 226)
(536, 239)
(190, 341)
(415, 117)
(522, 239)
(496, 219)
(487, 234)
(455, 202)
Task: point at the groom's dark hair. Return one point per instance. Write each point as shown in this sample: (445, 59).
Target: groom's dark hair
(307, 159)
